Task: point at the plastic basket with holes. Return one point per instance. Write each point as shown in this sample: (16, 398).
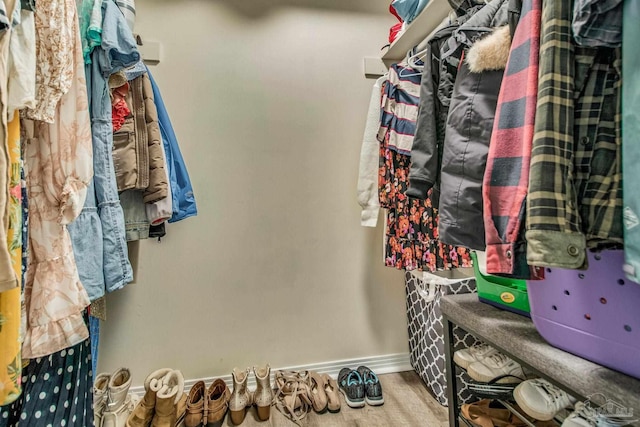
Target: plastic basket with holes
(594, 313)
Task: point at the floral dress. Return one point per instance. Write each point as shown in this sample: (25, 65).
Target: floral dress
(59, 167)
(411, 238)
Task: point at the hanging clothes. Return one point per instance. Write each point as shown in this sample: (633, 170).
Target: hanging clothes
(94, 334)
(90, 18)
(597, 23)
(8, 279)
(631, 138)
(411, 240)
(128, 8)
(57, 391)
(22, 60)
(136, 222)
(469, 122)
(435, 98)
(58, 169)
(506, 177)
(369, 158)
(10, 301)
(575, 184)
(99, 232)
(184, 202)
(137, 151)
(139, 159)
(161, 210)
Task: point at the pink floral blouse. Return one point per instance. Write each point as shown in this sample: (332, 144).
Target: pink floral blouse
(59, 167)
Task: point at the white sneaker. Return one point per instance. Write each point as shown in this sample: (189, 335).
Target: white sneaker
(493, 366)
(582, 416)
(541, 400)
(477, 353)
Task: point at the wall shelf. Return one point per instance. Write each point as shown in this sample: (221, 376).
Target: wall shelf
(418, 30)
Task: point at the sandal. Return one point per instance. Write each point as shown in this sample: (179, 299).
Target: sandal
(317, 394)
(484, 414)
(292, 395)
(331, 391)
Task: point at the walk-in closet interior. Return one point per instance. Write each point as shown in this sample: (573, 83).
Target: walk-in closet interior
(374, 213)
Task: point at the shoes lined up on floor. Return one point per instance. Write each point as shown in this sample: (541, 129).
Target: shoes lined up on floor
(537, 398)
(165, 404)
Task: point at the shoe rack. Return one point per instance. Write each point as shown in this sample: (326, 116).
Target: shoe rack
(517, 337)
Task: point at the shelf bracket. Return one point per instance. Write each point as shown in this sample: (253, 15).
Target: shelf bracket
(374, 67)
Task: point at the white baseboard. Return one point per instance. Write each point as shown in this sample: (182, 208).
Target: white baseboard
(386, 364)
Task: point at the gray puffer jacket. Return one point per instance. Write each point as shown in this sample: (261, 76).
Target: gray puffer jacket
(485, 39)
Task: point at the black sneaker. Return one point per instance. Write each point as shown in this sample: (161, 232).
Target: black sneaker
(372, 387)
(352, 387)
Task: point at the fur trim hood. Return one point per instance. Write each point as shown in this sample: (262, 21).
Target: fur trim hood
(490, 53)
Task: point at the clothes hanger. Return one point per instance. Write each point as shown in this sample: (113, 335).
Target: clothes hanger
(411, 61)
(420, 51)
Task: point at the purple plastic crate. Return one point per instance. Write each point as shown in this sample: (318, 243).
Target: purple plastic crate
(594, 314)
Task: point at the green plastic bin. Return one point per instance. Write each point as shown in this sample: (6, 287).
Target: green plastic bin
(502, 292)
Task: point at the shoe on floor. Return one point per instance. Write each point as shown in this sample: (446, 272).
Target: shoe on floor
(372, 387)
(582, 416)
(352, 387)
(195, 405)
(333, 395)
(217, 401)
(317, 393)
(495, 366)
(144, 410)
(263, 394)
(119, 403)
(477, 353)
(170, 401)
(541, 400)
(240, 398)
(100, 387)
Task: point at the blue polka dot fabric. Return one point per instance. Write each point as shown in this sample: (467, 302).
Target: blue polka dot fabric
(57, 391)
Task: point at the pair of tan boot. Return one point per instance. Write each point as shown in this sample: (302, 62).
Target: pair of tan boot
(242, 398)
(207, 406)
(164, 403)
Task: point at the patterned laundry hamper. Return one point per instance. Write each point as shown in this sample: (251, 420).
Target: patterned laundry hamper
(426, 335)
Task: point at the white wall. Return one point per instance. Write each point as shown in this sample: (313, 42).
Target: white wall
(268, 101)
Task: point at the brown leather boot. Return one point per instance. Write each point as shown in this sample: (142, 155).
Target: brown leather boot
(167, 400)
(143, 412)
(195, 405)
(217, 403)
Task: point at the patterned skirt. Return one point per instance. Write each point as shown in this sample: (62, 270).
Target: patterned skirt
(57, 391)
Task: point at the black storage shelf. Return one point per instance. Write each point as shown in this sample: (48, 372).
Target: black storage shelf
(517, 337)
